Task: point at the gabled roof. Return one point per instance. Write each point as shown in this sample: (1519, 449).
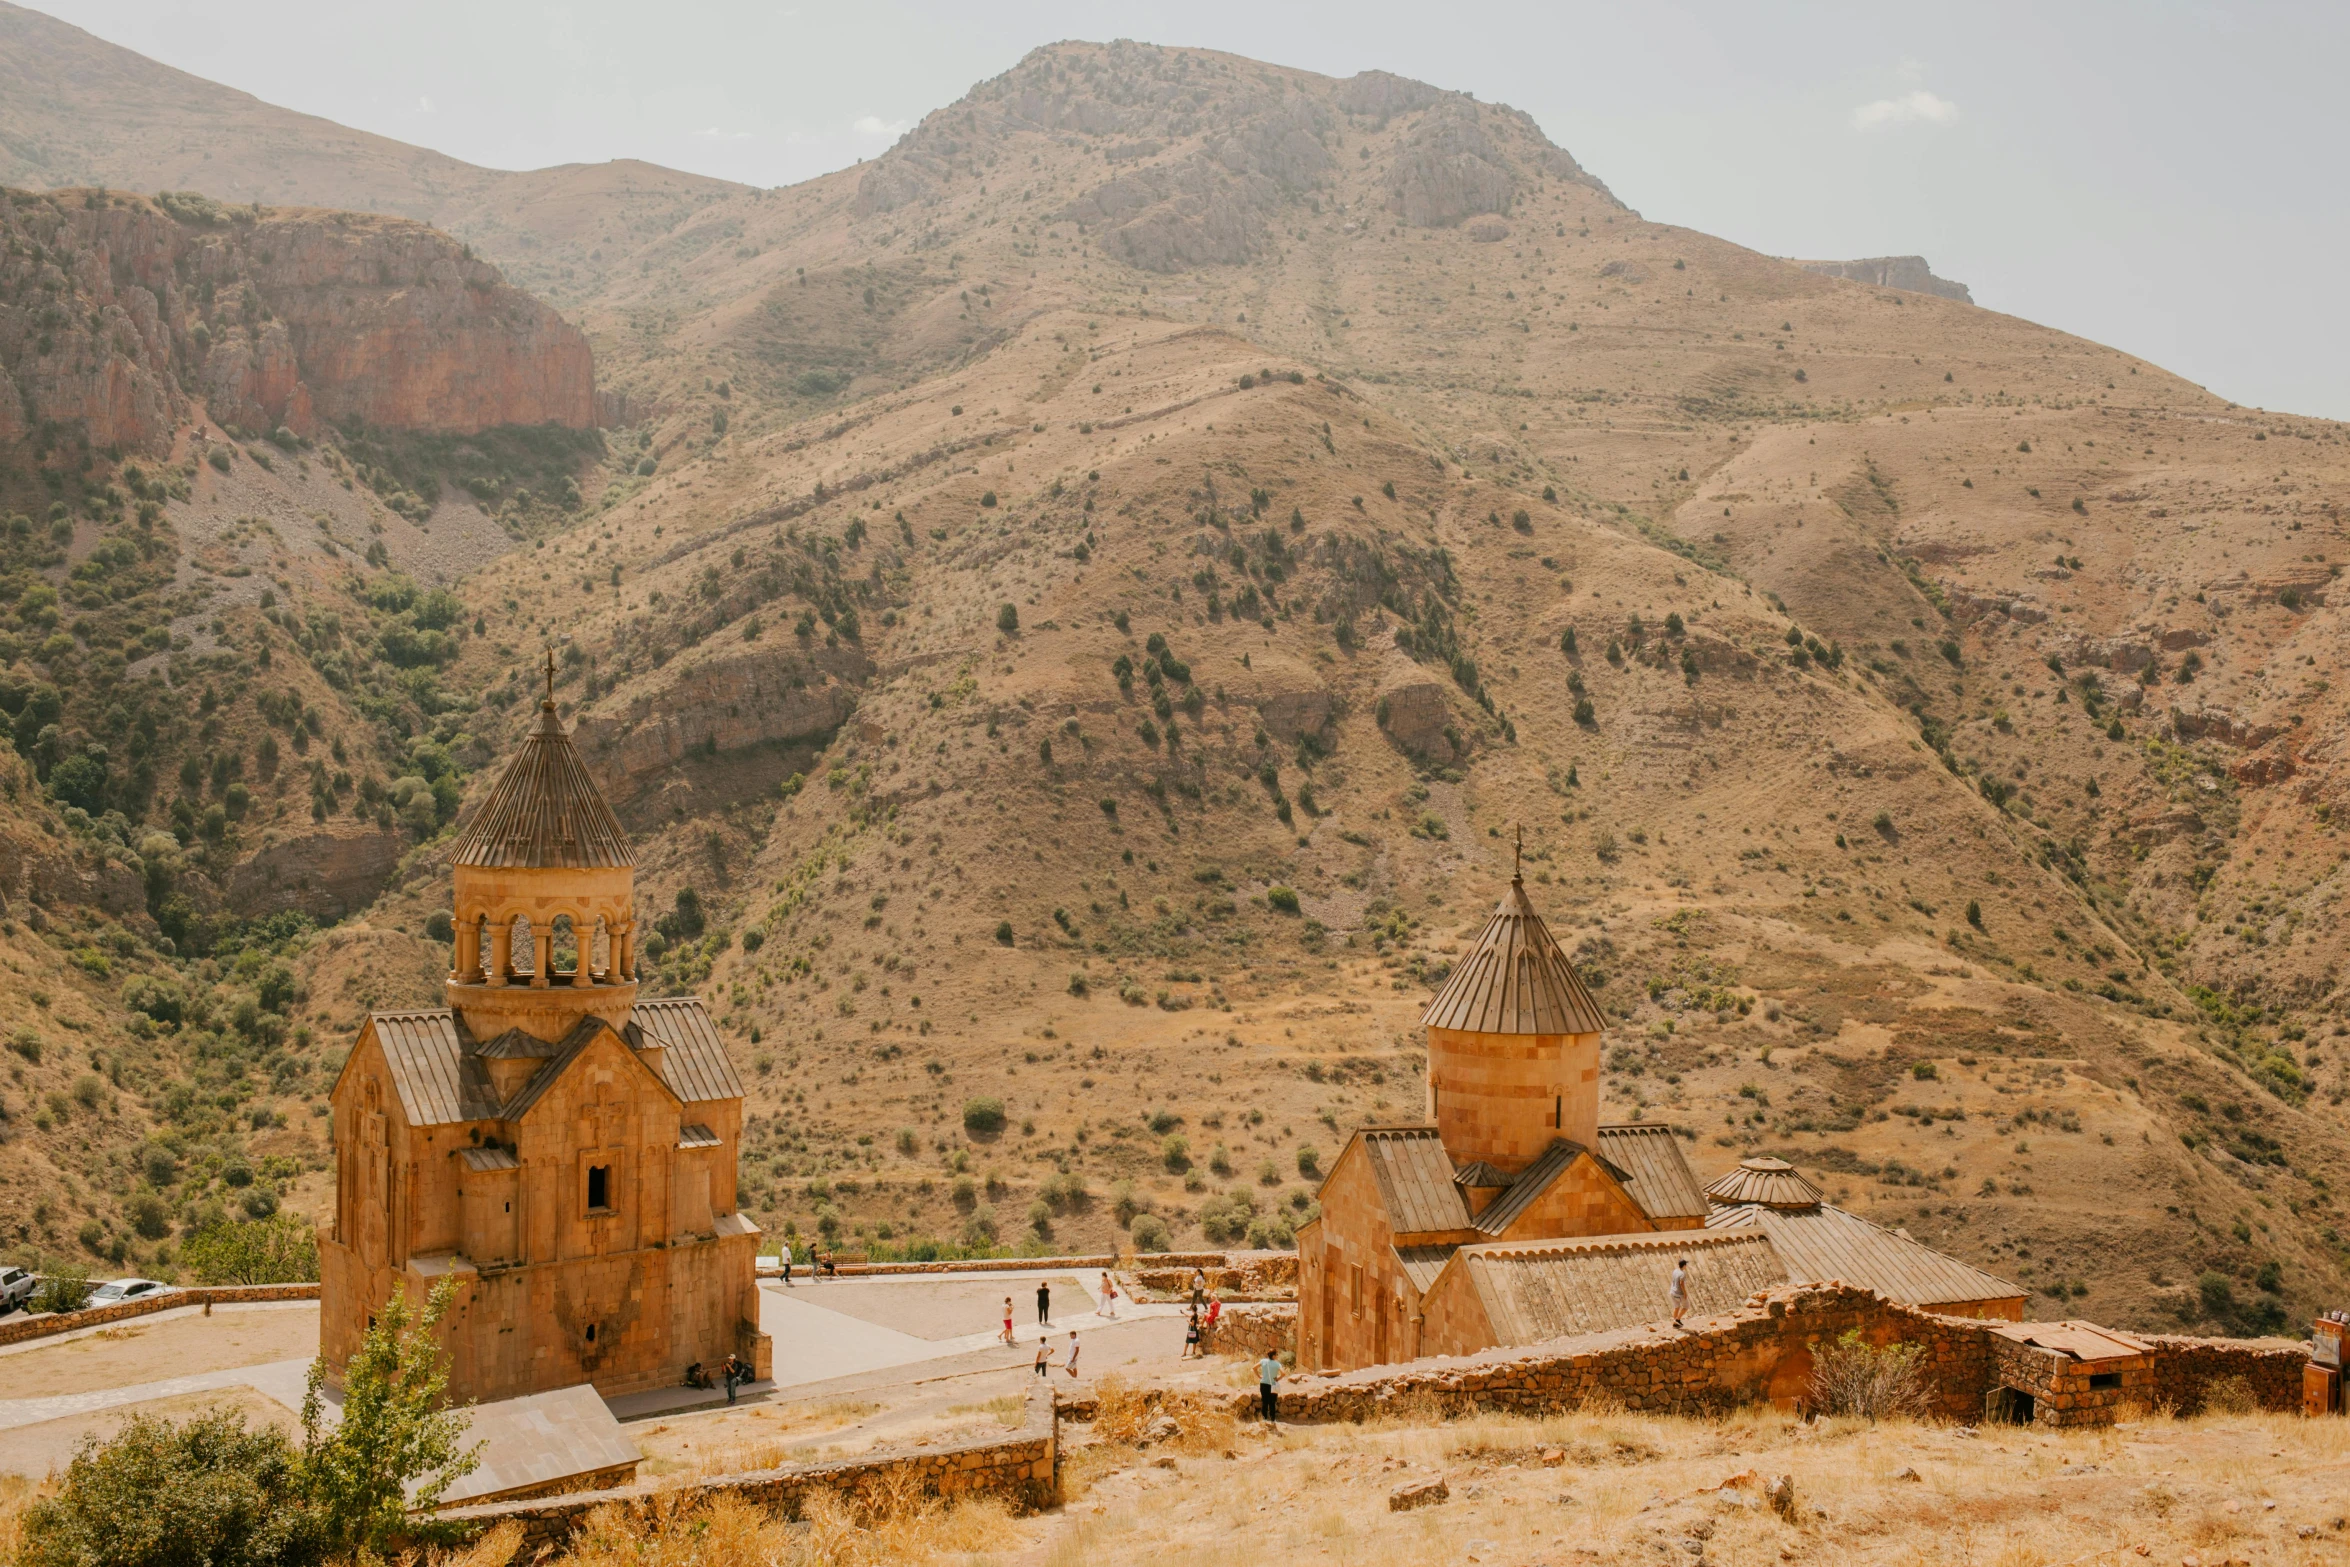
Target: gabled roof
(1825, 1243)
(1649, 1161)
(1414, 1177)
(437, 1068)
(1515, 980)
(1421, 1264)
(1477, 1174)
(1536, 1290)
(544, 810)
(583, 1034)
(437, 1080)
(1531, 1183)
(1762, 1179)
(515, 1045)
(693, 1057)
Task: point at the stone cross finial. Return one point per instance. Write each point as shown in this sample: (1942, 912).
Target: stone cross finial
(550, 676)
(1518, 855)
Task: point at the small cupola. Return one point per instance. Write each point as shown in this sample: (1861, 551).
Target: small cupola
(1764, 1182)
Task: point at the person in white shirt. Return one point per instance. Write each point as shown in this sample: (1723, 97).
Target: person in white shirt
(1109, 1300)
(1679, 1292)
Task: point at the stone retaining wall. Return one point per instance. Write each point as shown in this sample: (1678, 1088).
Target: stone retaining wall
(862, 1270)
(1250, 1331)
(1256, 1274)
(1022, 1467)
(1762, 1351)
(19, 1329)
(1246, 1272)
(2186, 1369)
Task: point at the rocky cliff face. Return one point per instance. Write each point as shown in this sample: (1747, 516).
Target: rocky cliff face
(116, 312)
(1908, 273)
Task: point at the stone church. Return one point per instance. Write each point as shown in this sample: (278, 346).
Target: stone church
(1514, 1214)
(562, 1150)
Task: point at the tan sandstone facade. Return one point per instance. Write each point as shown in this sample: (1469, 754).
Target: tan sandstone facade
(1515, 1215)
(560, 1149)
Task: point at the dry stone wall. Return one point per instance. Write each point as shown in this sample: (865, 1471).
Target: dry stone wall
(1763, 1351)
(1253, 1331)
(2188, 1370)
(1021, 1467)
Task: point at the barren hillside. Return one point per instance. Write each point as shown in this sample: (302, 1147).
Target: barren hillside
(1917, 718)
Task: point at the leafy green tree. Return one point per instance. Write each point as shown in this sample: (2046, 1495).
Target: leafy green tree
(64, 1286)
(206, 1493)
(394, 1431)
(282, 1249)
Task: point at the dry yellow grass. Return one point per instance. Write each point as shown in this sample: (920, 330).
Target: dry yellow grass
(1624, 1486)
(756, 1439)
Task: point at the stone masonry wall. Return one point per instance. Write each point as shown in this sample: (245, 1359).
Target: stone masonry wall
(2186, 1369)
(1023, 1467)
(1250, 1330)
(21, 1329)
(1762, 1351)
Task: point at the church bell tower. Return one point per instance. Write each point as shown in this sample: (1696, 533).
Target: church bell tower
(545, 897)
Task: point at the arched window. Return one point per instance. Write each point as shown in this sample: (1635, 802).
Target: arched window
(565, 947)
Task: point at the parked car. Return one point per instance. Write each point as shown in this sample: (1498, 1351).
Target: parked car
(16, 1288)
(116, 1291)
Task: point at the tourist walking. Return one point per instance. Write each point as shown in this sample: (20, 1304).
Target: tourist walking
(1191, 1337)
(1268, 1400)
(1006, 1335)
(1109, 1301)
(1044, 1303)
(787, 1264)
(1071, 1368)
(1199, 1288)
(1680, 1290)
(1044, 1357)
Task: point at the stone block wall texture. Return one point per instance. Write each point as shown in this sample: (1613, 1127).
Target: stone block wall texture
(18, 1330)
(1022, 1467)
(2068, 1392)
(2186, 1370)
(1761, 1352)
(1249, 1331)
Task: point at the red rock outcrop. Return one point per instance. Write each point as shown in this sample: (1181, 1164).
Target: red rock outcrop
(115, 311)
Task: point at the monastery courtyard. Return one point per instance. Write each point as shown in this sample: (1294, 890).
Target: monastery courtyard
(858, 1361)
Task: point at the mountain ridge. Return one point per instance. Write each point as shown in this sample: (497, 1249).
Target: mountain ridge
(1455, 496)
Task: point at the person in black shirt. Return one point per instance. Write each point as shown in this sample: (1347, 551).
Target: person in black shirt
(1044, 1303)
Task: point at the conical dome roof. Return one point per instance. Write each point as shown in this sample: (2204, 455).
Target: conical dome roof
(1515, 981)
(545, 811)
(1771, 1182)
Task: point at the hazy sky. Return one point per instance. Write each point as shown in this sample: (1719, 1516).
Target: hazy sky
(2167, 178)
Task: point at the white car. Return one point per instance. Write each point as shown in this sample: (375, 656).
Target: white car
(16, 1288)
(116, 1291)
